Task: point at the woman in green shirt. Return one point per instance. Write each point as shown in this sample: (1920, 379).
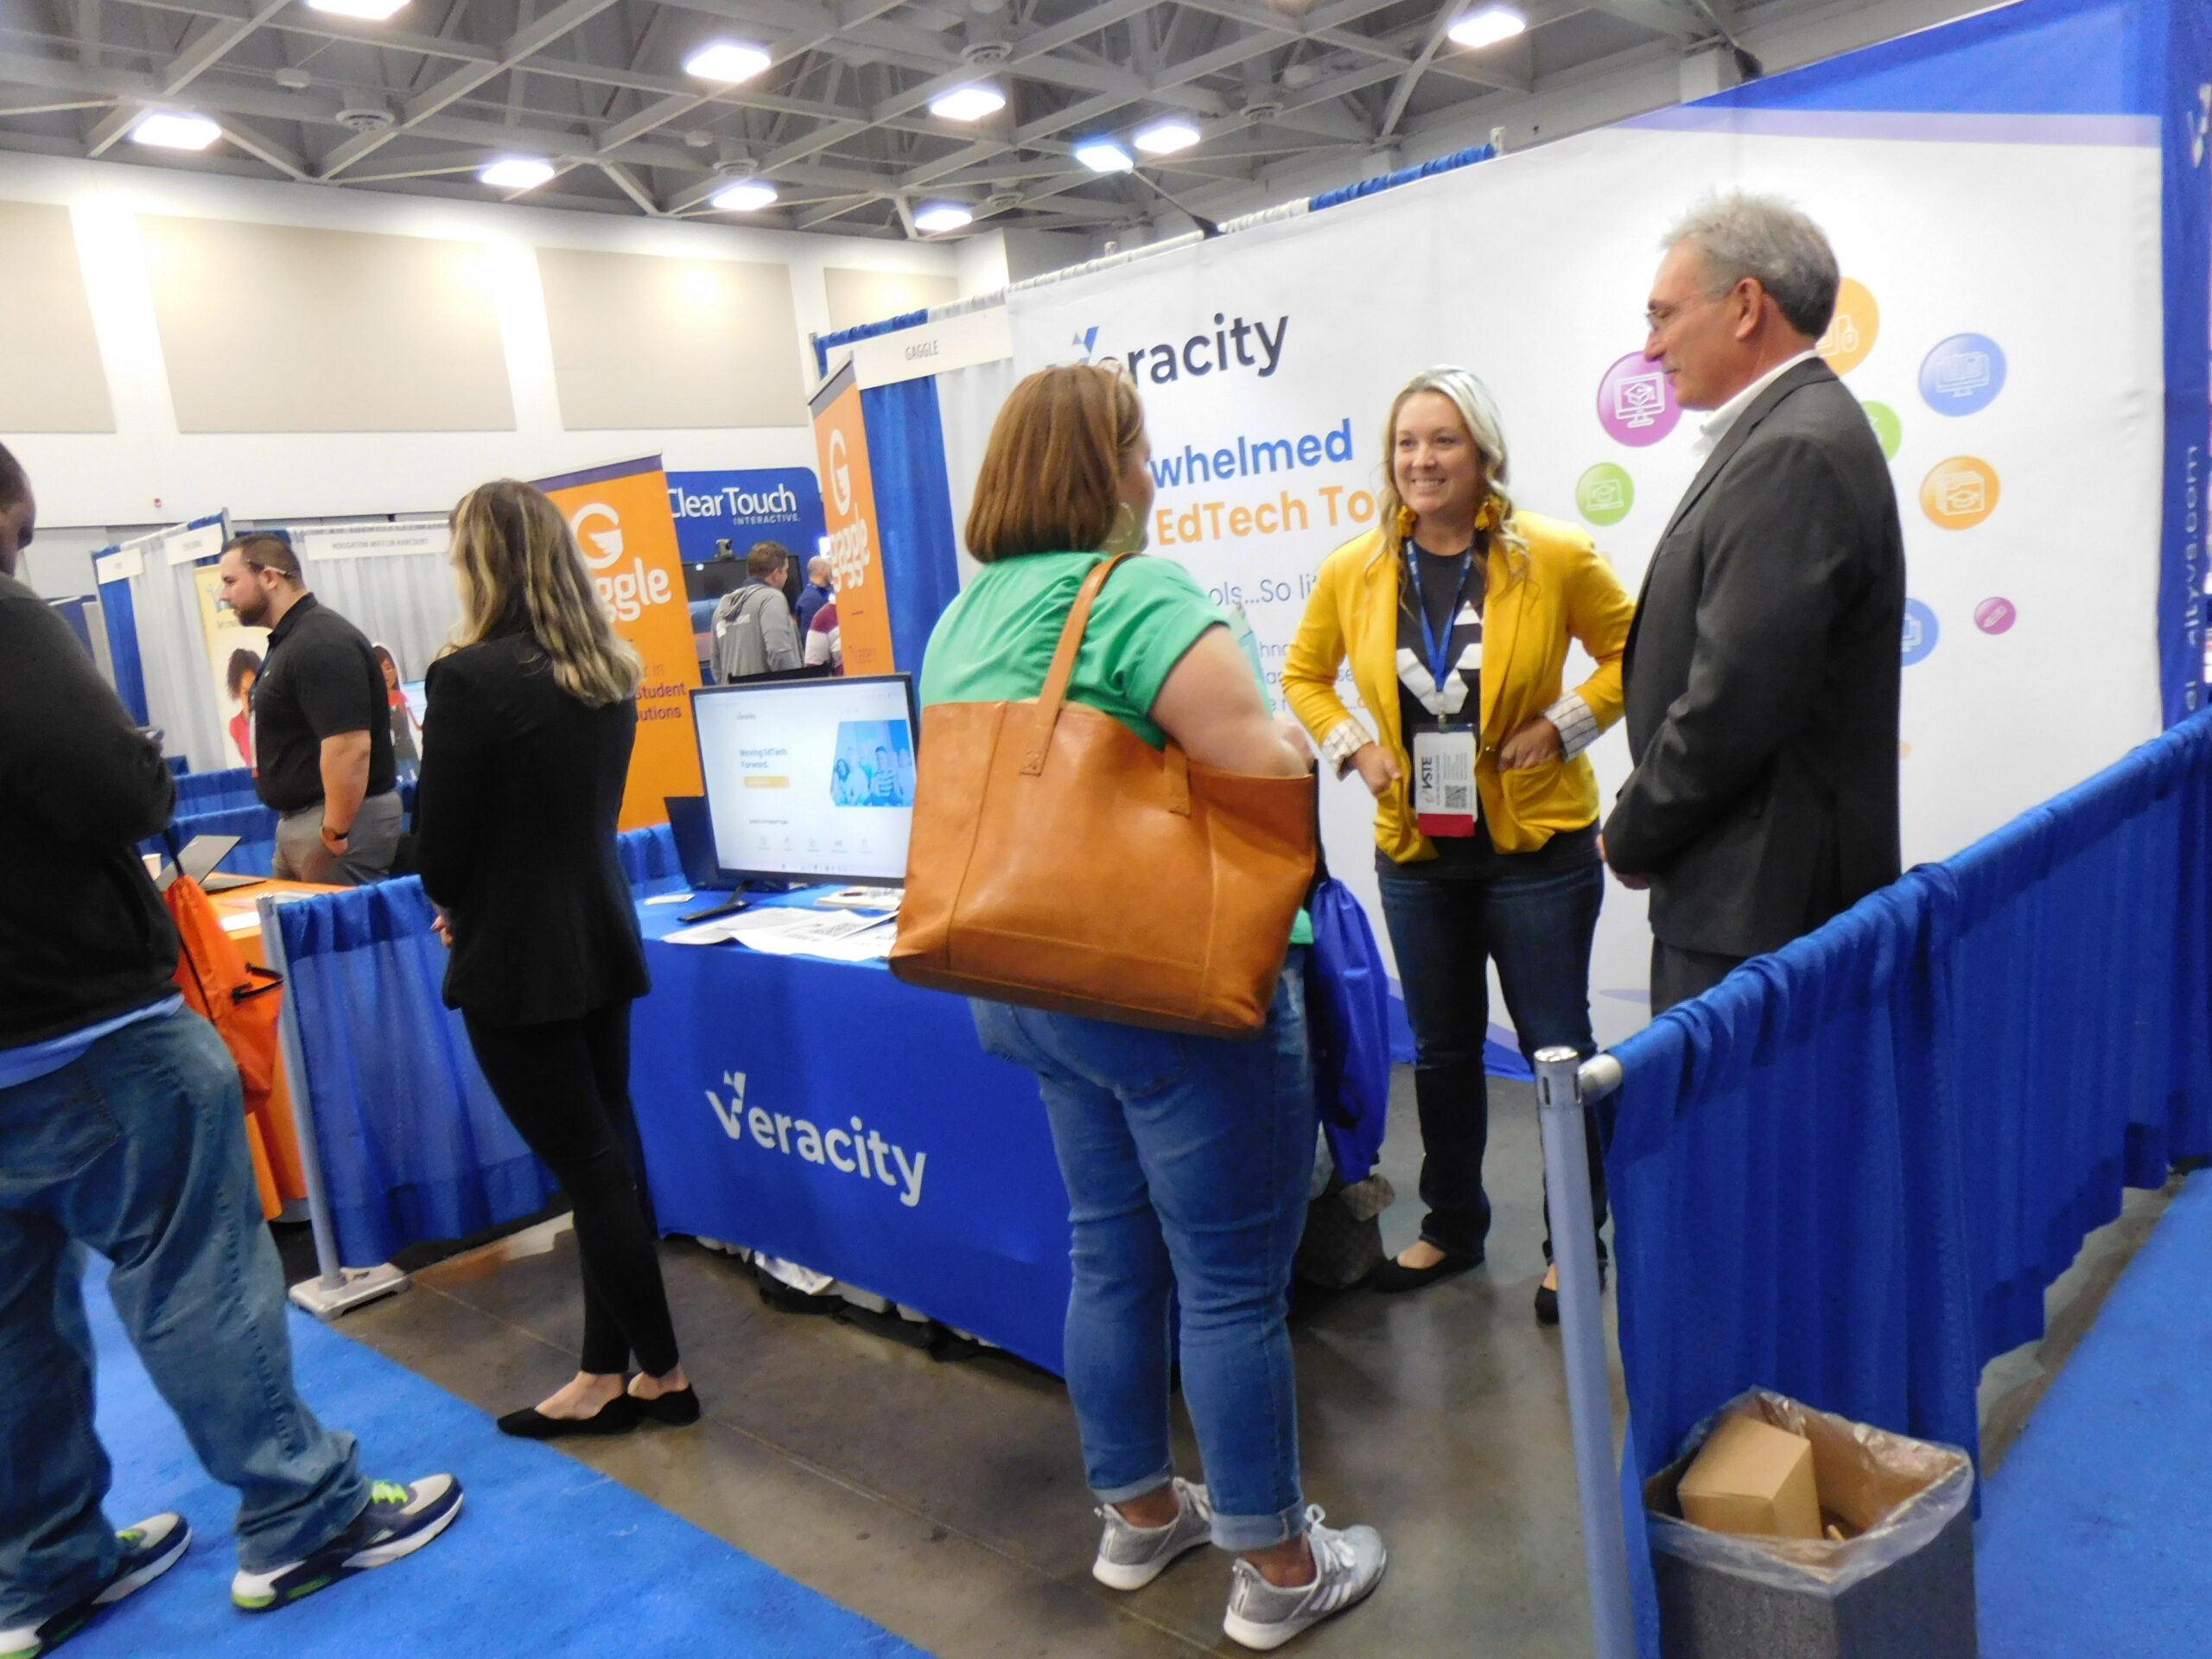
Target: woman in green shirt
(1187, 1159)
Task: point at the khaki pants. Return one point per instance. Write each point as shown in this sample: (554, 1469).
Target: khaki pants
(302, 856)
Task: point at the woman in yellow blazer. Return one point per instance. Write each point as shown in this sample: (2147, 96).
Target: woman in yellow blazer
(1455, 615)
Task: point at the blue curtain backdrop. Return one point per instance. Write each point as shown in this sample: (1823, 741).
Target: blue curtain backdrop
(215, 791)
(120, 618)
(1851, 1172)
(914, 508)
(255, 826)
(412, 1143)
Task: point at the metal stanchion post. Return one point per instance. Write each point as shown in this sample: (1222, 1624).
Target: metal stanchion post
(335, 1289)
(1582, 1332)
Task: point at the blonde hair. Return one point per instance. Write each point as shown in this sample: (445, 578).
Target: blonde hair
(1478, 412)
(1051, 481)
(521, 572)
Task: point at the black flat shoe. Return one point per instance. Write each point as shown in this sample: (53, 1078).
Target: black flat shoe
(1392, 1276)
(677, 1407)
(1547, 1298)
(618, 1416)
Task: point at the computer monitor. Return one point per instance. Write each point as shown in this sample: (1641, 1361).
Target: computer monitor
(810, 779)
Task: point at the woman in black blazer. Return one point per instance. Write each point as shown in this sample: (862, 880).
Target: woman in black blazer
(525, 749)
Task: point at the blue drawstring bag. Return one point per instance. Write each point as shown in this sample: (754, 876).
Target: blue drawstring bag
(1348, 1013)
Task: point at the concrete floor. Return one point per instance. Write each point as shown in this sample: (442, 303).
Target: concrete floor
(946, 1500)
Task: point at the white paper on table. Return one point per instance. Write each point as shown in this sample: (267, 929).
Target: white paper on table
(785, 931)
(668, 898)
(705, 933)
(242, 921)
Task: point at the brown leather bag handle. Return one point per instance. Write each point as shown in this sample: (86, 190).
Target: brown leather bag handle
(1050, 701)
(1056, 683)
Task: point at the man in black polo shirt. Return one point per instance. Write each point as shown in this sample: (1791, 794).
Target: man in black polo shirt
(322, 723)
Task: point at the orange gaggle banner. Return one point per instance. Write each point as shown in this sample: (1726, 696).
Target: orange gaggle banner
(621, 517)
(854, 543)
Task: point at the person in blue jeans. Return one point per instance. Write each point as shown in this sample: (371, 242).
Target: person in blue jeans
(123, 1131)
(1188, 1160)
(1455, 614)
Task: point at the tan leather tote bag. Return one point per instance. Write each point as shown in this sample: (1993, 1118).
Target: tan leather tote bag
(1060, 861)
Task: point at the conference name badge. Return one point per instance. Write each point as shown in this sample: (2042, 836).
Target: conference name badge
(1444, 781)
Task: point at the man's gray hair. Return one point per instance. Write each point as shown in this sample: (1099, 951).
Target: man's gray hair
(1763, 237)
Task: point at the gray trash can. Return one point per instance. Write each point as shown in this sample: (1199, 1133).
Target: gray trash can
(1899, 1585)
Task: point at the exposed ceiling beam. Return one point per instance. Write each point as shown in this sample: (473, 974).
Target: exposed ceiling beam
(203, 54)
(459, 83)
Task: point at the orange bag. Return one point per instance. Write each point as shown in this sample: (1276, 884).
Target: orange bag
(220, 984)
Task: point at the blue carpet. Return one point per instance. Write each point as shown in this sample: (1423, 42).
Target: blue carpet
(548, 1558)
(2096, 1533)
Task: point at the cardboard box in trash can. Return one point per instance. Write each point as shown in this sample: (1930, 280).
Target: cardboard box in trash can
(1898, 1585)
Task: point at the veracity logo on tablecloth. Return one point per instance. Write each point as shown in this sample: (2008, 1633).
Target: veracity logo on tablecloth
(862, 1151)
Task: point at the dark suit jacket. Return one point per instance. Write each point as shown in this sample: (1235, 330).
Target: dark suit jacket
(515, 813)
(1761, 680)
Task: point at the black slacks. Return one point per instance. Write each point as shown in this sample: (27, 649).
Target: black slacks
(1678, 974)
(566, 1088)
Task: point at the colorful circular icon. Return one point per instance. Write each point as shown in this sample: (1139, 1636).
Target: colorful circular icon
(1959, 494)
(1921, 631)
(1995, 615)
(1962, 374)
(1635, 403)
(1852, 331)
(1605, 493)
(1889, 431)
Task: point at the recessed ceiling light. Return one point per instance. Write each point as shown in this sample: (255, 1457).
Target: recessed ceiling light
(727, 61)
(374, 11)
(1166, 137)
(942, 216)
(743, 196)
(1104, 155)
(173, 131)
(967, 103)
(1486, 26)
(516, 173)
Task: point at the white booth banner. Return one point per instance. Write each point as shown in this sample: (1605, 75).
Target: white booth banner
(961, 341)
(191, 545)
(2017, 395)
(381, 540)
(120, 566)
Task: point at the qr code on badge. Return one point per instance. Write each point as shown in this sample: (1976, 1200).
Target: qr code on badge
(1458, 798)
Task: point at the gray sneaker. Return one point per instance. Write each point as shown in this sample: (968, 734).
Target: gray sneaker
(1349, 1566)
(1130, 1557)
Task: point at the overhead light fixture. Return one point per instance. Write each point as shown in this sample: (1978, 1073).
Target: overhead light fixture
(727, 61)
(516, 173)
(374, 11)
(1104, 155)
(942, 216)
(970, 103)
(169, 131)
(743, 196)
(1486, 26)
(1166, 137)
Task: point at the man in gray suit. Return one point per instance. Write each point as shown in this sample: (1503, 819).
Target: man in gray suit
(1762, 670)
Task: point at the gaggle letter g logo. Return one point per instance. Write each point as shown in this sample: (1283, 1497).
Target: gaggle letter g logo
(600, 547)
(841, 473)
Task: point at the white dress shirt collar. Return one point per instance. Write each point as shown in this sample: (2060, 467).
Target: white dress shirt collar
(1718, 424)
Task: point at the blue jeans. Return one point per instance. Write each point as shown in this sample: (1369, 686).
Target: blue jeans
(1187, 1161)
(1444, 929)
(138, 1150)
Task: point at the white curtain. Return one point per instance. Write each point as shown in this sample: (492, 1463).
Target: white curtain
(405, 602)
(173, 645)
(967, 401)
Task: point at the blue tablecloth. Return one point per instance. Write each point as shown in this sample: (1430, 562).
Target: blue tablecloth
(826, 1113)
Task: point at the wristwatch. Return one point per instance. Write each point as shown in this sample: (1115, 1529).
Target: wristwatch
(329, 834)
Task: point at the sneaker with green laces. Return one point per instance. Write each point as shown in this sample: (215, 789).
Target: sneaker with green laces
(399, 1521)
(149, 1549)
